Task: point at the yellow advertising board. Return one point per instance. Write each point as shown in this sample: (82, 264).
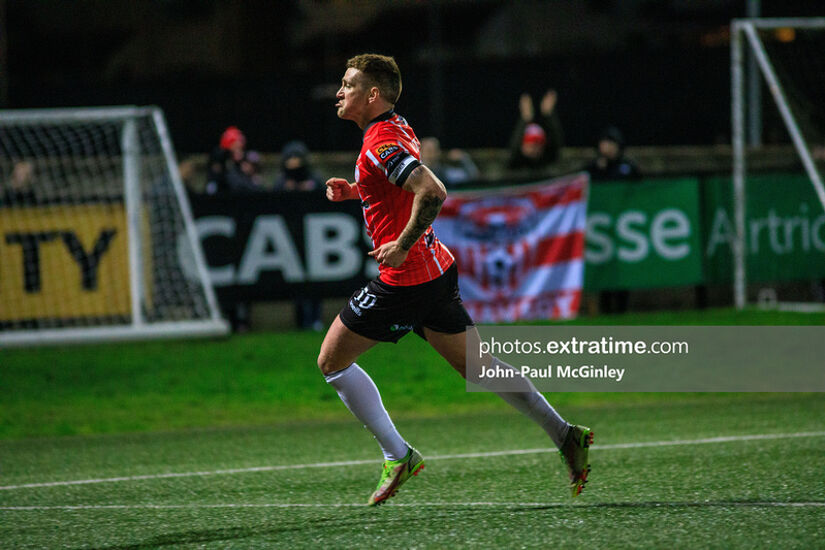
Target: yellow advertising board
(63, 262)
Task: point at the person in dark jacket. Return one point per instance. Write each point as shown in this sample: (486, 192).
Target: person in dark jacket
(296, 174)
(610, 162)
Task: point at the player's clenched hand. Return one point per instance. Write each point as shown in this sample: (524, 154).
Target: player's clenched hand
(390, 254)
(339, 189)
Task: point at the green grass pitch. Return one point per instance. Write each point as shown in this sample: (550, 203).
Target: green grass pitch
(211, 445)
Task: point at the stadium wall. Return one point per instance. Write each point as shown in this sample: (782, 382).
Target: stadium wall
(659, 233)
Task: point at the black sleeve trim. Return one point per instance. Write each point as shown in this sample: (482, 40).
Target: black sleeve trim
(403, 170)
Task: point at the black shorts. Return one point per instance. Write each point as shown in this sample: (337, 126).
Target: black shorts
(386, 313)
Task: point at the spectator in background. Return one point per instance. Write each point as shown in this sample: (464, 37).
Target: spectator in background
(187, 171)
(233, 169)
(818, 152)
(457, 168)
(610, 162)
(230, 166)
(297, 175)
(19, 188)
(536, 140)
(251, 168)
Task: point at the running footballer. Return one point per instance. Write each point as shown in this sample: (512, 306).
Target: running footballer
(417, 286)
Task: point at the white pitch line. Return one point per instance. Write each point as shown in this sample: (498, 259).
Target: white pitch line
(720, 504)
(637, 445)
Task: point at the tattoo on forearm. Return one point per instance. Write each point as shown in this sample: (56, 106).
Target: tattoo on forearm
(423, 217)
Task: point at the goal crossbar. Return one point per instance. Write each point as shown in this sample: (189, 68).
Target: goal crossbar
(80, 114)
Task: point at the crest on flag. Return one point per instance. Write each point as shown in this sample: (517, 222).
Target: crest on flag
(519, 250)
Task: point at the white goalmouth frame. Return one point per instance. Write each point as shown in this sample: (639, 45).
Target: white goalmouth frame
(139, 327)
(744, 35)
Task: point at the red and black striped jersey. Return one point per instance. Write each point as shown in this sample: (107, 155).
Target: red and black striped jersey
(390, 152)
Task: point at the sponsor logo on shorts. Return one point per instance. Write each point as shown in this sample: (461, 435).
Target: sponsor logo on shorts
(364, 300)
(405, 328)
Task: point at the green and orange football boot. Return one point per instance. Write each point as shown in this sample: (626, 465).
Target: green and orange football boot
(394, 474)
(574, 454)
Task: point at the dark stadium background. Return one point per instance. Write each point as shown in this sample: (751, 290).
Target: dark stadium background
(659, 69)
(239, 441)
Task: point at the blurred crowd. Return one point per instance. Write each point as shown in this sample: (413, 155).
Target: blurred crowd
(233, 167)
(533, 152)
(534, 149)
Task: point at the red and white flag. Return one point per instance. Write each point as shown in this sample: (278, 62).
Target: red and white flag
(519, 250)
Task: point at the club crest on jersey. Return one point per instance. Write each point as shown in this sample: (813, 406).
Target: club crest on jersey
(387, 150)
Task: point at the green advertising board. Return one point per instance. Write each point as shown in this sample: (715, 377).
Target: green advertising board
(643, 234)
(784, 229)
(663, 233)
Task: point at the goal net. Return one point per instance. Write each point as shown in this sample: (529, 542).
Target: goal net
(97, 240)
(785, 214)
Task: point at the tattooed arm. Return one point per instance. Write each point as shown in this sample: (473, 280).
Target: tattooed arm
(429, 196)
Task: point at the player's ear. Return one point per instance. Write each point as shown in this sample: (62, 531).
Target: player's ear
(374, 94)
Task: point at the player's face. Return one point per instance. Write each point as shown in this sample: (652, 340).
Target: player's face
(353, 96)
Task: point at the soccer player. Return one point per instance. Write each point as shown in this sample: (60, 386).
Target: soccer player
(417, 286)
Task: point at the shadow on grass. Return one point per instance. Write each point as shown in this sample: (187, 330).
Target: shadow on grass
(229, 534)
(366, 516)
(675, 505)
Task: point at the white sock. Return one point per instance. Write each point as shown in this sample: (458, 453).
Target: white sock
(359, 393)
(534, 406)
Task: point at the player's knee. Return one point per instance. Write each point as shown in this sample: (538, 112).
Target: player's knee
(328, 365)
(323, 363)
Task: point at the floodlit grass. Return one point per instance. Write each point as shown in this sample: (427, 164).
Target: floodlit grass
(259, 379)
(262, 487)
(217, 444)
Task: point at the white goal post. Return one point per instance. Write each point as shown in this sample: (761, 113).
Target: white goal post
(745, 37)
(97, 240)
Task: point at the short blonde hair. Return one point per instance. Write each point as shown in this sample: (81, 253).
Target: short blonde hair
(381, 71)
